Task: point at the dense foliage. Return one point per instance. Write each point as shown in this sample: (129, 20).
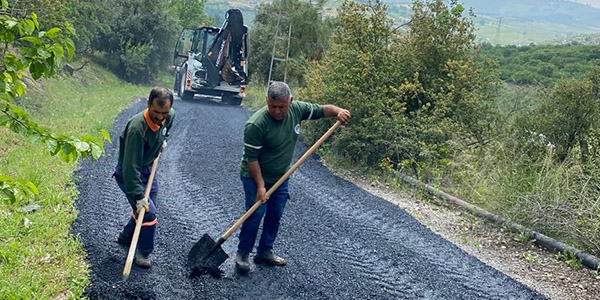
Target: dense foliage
(38, 53)
(310, 33)
(543, 64)
(426, 101)
(413, 94)
(136, 37)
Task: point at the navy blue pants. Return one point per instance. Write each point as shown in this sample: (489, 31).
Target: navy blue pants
(146, 240)
(272, 211)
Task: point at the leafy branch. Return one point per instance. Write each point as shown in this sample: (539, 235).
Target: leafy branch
(26, 48)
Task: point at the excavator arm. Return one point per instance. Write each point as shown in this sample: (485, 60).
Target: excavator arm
(226, 57)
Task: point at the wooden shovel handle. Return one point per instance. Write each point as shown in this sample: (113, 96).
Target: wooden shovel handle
(138, 223)
(285, 176)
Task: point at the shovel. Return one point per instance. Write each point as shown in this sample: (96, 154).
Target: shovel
(138, 223)
(207, 255)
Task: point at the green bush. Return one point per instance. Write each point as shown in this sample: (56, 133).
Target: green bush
(412, 95)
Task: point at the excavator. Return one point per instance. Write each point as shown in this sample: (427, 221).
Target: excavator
(212, 61)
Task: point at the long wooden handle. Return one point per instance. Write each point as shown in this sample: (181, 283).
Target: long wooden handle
(138, 223)
(285, 176)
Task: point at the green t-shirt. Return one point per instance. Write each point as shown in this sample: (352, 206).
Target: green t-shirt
(138, 147)
(272, 142)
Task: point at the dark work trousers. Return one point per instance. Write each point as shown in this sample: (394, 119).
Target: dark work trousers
(146, 240)
(272, 210)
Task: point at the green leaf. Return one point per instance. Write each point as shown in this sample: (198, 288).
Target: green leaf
(81, 146)
(65, 157)
(96, 152)
(37, 69)
(20, 88)
(34, 137)
(52, 146)
(33, 188)
(4, 178)
(58, 51)
(17, 128)
(11, 63)
(10, 23)
(18, 111)
(71, 29)
(4, 119)
(35, 20)
(67, 148)
(43, 53)
(32, 39)
(4, 4)
(458, 10)
(106, 135)
(30, 26)
(52, 33)
(70, 49)
(9, 195)
(8, 78)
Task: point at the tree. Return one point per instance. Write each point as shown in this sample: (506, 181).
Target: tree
(412, 93)
(26, 48)
(568, 115)
(310, 35)
(190, 13)
(51, 13)
(362, 72)
(140, 38)
(92, 19)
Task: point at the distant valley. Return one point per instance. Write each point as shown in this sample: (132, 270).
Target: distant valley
(509, 22)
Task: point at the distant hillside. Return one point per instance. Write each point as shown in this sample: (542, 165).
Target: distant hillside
(508, 22)
(518, 22)
(551, 11)
(584, 39)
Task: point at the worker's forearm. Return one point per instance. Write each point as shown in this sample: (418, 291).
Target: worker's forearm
(255, 172)
(330, 110)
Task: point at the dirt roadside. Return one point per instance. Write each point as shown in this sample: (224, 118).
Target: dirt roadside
(526, 262)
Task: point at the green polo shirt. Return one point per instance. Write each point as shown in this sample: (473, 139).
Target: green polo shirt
(272, 142)
(138, 147)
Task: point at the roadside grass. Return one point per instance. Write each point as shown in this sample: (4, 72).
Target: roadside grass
(39, 258)
(557, 199)
(255, 95)
(165, 79)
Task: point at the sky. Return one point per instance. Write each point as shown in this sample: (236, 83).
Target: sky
(594, 3)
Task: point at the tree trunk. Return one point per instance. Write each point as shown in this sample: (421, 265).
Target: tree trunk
(584, 150)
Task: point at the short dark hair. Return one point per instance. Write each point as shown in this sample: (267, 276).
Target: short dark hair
(161, 95)
(279, 91)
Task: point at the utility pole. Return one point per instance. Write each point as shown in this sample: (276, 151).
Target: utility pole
(278, 48)
(497, 37)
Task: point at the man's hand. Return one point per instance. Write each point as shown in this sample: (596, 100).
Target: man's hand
(343, 116)
(164, 145)
(142, 203)
(260, 194)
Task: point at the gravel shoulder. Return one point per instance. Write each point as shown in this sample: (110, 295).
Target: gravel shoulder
(490, 244)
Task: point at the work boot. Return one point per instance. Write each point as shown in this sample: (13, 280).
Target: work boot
(241, 262)
(124, 240)
(268, 258)
(143, 261)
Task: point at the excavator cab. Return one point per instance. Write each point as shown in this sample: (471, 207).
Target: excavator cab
(212, 61)
(194, 41)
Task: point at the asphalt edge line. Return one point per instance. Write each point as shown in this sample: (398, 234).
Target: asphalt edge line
(547, 242)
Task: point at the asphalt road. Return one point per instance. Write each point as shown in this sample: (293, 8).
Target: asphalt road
(340, 242)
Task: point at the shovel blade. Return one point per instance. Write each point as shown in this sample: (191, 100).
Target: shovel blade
(206, 254)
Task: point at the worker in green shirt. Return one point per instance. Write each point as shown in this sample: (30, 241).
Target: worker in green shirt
(139, 144)
(270, 137)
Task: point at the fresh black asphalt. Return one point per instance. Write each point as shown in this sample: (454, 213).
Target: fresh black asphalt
(340, 242)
